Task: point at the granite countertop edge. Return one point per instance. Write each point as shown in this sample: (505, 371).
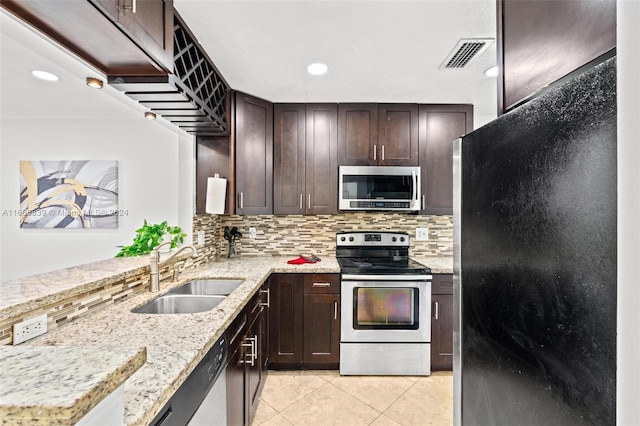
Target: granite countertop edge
(91, 377)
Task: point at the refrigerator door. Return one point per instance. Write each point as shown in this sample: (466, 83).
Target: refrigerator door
(535, 275)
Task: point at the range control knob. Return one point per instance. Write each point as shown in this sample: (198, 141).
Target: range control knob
(394, 239)
(343, 238)
(351, 239)
(402, 239)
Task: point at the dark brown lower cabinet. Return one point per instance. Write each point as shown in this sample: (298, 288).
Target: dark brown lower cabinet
(304, 323)
(442, 322)
(321, 329)
(248, 359)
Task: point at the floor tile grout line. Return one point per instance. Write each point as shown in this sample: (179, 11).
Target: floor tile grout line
(303, 396)
(262, 401)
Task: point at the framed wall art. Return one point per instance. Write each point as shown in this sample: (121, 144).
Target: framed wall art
(69, 194)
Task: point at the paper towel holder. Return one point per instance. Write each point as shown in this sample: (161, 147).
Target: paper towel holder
(216, 194)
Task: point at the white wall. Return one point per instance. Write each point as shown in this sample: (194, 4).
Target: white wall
(628, 212)
(149, 183)
(66, 120)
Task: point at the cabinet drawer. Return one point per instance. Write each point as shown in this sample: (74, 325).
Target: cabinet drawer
(321, 283)
(442, 284)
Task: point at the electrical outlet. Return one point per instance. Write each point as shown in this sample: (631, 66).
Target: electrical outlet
(422, 234)
(200, 238)
(29, 329)
(252, 233)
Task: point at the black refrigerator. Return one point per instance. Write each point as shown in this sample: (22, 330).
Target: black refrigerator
(535, 261)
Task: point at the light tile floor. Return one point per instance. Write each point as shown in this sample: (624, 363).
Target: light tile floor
(325, 398)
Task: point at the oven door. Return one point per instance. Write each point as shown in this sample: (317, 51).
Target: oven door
(385, 310)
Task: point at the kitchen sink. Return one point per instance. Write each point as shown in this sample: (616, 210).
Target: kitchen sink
(180, 304)
(220, 287)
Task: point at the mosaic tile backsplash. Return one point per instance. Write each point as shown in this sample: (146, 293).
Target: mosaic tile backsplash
(296, 234)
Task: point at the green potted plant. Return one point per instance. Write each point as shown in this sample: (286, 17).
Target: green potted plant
(149, 236)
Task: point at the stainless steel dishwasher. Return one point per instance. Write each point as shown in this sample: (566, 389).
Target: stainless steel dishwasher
(201, 400)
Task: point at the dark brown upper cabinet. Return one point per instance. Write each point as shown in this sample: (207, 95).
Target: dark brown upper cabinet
(305, 159)
(253, 155)
(119, 37)
(397, 134)
(357, 134)
(440, 125)
(540, 42)
(378, 134)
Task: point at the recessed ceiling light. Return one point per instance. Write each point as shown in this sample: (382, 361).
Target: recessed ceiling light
(94, 82)
(44, 75)
(317, 69)
(149, 115)
(491, 72)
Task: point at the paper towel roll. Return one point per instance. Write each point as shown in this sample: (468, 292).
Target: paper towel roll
(216, 194)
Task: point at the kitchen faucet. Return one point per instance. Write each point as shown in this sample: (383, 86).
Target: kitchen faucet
(154, 263)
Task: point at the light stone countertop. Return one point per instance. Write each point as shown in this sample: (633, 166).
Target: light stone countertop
(437, 264)
(59, 385)
(29, 293)
(175, 343)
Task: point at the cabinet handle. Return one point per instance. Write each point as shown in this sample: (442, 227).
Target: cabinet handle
(382, 152)
(437, 309)
(241, 200)
(375, 152)
(301, 198)
(251, 361)
(335, 310)
(133, 7)
(309, 201)
(268, 302)
(423, 204)
(321, 284)
(253, 342)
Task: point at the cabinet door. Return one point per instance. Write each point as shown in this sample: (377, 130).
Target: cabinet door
(254, 155)
(254, 377)
(440, 125)
(235, 372)
(285, 322)
(321, 159)
(357, 134)
(442, 332)
(148, 22)
(321, 330)
(442, 322)
(540, 42)
(398, 134)
(289, 159)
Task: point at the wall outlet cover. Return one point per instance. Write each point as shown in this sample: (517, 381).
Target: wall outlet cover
(252, 233)
(422, 234)
(28, 329)
(200, 238)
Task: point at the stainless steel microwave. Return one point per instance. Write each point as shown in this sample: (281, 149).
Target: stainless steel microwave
(383, 188)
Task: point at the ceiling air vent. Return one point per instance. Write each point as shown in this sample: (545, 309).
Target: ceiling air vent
(464, 51)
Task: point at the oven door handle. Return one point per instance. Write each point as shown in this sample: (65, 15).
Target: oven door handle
(402, 277)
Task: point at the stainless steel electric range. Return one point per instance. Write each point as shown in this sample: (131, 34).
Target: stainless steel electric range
(386, 306)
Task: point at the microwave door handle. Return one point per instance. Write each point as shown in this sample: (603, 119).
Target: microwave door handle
(415, 185)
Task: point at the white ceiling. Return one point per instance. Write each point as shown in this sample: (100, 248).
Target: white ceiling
(377, 51)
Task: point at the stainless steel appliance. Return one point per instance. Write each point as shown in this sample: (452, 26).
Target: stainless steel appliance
(535, 261)
(201, 400)
(384, 188)
(386, 306)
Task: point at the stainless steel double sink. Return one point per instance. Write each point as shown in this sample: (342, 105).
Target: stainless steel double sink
(191, 297)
